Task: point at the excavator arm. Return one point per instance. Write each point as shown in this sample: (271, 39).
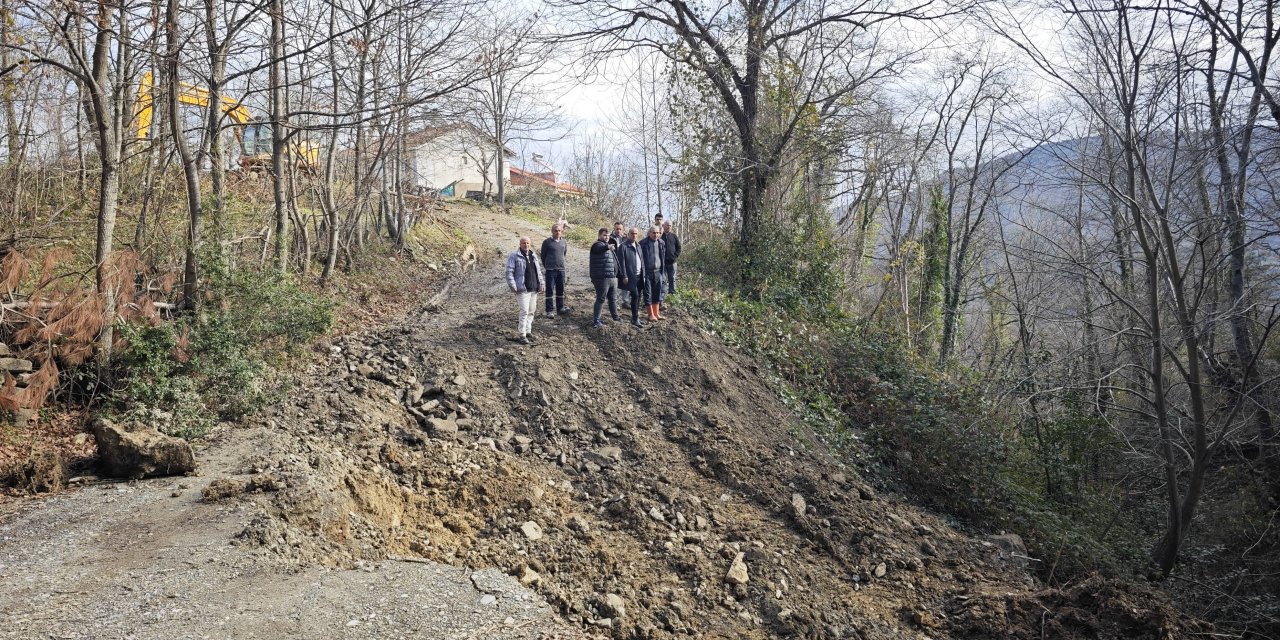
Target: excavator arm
(254, 137)
(144, 104)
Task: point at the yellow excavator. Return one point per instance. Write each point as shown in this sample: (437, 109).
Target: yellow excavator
(253, 136)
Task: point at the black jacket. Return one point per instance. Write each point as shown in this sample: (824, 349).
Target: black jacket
(604, 264)
(673, 247)
(628, 252)
(653, 253)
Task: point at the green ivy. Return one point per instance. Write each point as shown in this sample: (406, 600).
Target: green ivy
(184, 375)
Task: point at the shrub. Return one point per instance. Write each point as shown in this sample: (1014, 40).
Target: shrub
(180, 376)
(887, 408)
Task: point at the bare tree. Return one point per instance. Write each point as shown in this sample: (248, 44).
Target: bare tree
(736, 48)
(513, 99)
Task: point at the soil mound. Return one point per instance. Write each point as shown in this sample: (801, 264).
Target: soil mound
(647, 483)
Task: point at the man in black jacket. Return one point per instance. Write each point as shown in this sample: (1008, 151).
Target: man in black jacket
(553, 256)
(652, 256)
(604, 275)
(673, 253)
(632, 271)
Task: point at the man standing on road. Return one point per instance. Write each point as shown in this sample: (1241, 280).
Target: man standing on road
(644, 286)
(631, 270)
(525, 278)
(553, 254)
(619, 236)
(652, 257)
(673, 253)
(604, 275)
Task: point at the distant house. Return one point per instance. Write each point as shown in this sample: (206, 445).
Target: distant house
(541, 174)
(456, 160)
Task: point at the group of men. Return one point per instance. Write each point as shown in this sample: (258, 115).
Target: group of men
(643, 270)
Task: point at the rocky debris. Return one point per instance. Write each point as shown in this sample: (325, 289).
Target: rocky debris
(579, 524)
(223, 488)
(528, 577)
(16, 365)
(798, 505)
(532, 531)
(737, 570)
(442, 429)
(1007, 549)
(613, 606)
(662, 490)
(42, 472)
(135, 451)
(1009, 543)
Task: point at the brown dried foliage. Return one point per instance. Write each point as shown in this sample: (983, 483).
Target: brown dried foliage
(181, 348)
(9, 394)
(59, 325)
(51, 261)
(13, 270)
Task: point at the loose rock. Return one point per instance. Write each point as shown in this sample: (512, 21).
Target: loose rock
(798, 505)
(136, 451)
(737, 570)
(531, 530)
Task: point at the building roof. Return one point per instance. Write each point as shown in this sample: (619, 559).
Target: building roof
(525, 177)
(428, 134)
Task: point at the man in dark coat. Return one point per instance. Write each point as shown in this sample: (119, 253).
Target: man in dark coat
(673, 253)
(652, 256)
(632, 272)
(604, 275)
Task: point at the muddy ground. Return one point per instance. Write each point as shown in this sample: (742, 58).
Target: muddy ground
(644, 483)
(647, 483)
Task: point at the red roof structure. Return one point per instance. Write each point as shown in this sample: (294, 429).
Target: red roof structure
(525, 178)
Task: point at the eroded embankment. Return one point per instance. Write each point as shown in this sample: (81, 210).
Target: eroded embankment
(646, 482)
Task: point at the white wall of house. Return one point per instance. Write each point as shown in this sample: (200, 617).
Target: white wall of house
(457, 156)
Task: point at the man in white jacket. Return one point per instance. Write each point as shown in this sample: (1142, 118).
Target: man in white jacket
(525, 278)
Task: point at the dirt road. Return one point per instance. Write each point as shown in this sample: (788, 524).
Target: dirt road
(151, 559)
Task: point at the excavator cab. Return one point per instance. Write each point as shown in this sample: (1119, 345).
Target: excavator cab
(256, 139)
(255, 149)
(254, 135)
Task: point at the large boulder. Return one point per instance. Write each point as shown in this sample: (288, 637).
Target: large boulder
(136, 450)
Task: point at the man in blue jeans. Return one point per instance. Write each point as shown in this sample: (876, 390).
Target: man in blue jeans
(552, 255)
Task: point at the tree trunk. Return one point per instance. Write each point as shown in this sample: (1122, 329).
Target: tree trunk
(326, 190)
(189, 169)
(217, 55)
(279, 143)
(104, 110)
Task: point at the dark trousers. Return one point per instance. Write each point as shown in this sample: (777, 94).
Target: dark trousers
(555, 290)
(653, 290)
(632, 293)
(605, 288)
(670, 268)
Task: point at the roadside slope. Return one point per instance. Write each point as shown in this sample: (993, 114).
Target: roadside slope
(642, 483)
(648, 483)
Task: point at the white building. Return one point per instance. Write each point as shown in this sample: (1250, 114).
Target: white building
(456, 160)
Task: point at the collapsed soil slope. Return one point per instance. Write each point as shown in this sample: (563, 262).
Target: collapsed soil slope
(647, 483)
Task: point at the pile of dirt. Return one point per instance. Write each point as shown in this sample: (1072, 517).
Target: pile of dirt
(647, 483)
